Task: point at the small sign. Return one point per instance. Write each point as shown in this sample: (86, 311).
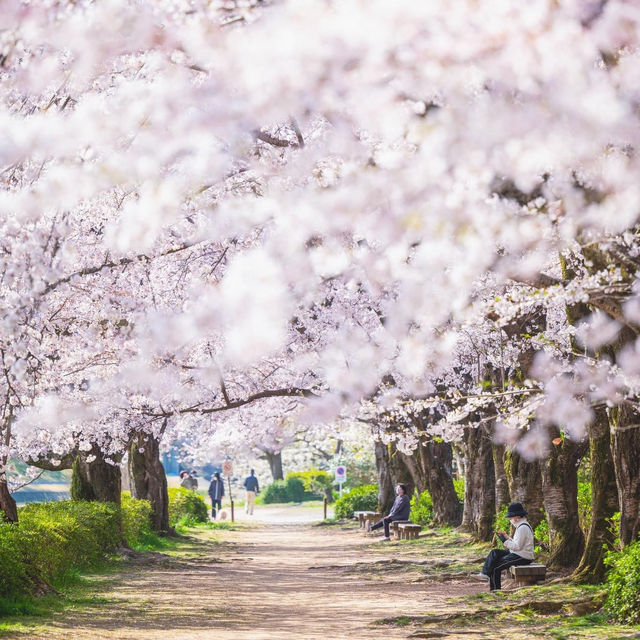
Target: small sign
(227, 468)
(341, 474)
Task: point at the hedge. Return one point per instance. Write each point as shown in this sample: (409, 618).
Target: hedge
(364, 498)
(623, 598)
(54, 539)
(186, 507)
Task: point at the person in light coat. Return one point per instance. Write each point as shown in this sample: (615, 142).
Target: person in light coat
(518, 551)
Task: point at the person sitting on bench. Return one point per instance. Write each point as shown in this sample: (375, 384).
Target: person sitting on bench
(519, 549)
(399, 511)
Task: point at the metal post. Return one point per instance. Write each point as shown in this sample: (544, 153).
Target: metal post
(324, 507)
(231, 498)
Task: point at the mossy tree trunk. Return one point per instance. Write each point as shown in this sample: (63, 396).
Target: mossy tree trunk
(502, 484)
(560, 490)
(93, 478)
(392, 469)
(525, 485)
(7, 503)
(479, 487)
(148, 479)
(431, 468)
(428, 468)
(626, 457)
(604, 502)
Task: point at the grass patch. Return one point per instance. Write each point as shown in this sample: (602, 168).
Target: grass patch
(560, 610)
(84, 591)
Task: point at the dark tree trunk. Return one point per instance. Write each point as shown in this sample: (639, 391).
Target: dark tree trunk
(392, 469)
(7, 503)
(328, 494)
(148, 479)
(275, 464)
(560, 489)
(479, 487)
(626, 458)
(96, 480)
(431, 467)
(525, 485)
(502, 484)
(604, 502)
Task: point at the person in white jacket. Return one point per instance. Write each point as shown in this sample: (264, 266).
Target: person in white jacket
(519, 549)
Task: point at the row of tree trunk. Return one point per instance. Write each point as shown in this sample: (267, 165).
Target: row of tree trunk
(95, 478)
(496, 475)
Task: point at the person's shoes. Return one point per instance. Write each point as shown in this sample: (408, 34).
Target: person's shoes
(385, 540)
(480, 576)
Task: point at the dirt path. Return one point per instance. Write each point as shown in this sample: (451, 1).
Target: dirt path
(275, 581)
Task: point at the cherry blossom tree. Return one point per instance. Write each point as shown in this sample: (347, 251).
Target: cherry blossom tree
(207, 206)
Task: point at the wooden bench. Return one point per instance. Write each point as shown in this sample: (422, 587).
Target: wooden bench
(409, 531)
(528, 574)
(395, 533)
(370, 517)
(359, 516)
(364, 516)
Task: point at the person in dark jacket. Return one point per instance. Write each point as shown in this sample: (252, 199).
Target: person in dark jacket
(253, 488)
(216, 493)
(399, 511)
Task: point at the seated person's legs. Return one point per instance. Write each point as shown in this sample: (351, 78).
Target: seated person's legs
(494, 557)
(507, 560)
(377, 525)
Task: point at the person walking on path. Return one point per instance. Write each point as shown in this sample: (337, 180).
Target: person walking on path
(253, 488)
(187, 482)
(216, 493)
(399, 511)
(519, 549)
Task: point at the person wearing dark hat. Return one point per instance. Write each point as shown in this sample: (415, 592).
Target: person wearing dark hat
(518, 551)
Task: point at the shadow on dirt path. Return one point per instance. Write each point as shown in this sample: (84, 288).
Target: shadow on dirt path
(273, 581)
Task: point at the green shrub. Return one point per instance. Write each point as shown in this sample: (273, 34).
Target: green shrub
(53, 539)
(623, 599)
(542, 536)
(295, 489)
(363, 498)
(61, 535)
(501, 522)
(186, 507)
(136, 519)
(584, 505)
(421, 508)
(316, 483)
(14, 575)
(275, 492)
(458, 485)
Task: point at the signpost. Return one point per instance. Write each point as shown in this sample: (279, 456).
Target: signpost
(227, 470)
(340, 476)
